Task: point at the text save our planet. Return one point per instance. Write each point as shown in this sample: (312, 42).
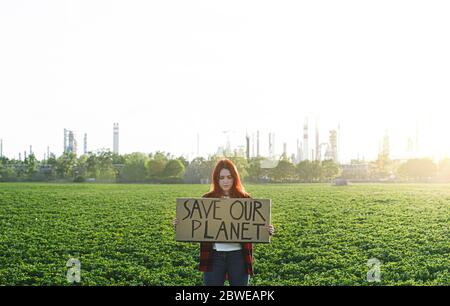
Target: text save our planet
(223, 220)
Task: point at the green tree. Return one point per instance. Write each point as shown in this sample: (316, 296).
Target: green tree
(7, 168)
(329, 169)
(208, 167)
(91, 165)
(241, 164)
(155, 168)
(65, 164)
(8, 172)
(316, 171)
(174, 169)
(184, 161)
(81, 167)
(418, 169)
(135, 168)
(304, 171)
(193, 173)
(284, 171)
(31, 165)
(160, 155)
(52, 165)
(255, 172)
(104, 165)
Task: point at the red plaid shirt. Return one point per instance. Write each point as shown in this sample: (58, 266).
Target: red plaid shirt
(206, 249)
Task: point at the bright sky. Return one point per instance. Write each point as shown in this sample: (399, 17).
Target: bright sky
(167, 70)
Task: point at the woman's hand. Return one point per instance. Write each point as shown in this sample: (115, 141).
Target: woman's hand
(175, 222)
(270, 229)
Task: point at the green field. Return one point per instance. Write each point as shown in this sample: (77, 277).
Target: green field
(122, 234)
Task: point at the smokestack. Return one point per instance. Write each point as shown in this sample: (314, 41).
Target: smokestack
(1, 147)
(31, 149)
(65, 140)
(247, 140)
(198, 144)
(338, 144)
(85, 143)
(317, 140)
(417, 138)
(253, 145)
(116, 138)
(305, 139)
(270, 145)
(257, 143)
(273, 144)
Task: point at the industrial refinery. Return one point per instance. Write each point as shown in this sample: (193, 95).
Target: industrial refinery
(309, 145)
(329, 149)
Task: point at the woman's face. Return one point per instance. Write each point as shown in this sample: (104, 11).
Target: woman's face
(225, 180)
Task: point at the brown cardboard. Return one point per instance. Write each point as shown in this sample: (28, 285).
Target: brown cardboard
(223, 220)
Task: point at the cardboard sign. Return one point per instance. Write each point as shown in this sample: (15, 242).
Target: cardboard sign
(223, 220)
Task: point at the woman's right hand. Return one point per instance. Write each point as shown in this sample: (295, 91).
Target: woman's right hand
(175, 222)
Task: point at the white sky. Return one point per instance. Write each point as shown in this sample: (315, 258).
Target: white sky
(167, 70)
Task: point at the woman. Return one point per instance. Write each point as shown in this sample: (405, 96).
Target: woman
(232, 261)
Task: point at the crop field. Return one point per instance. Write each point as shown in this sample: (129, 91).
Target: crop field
(324, 235)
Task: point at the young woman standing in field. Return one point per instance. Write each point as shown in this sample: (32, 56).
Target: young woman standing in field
(232, 261)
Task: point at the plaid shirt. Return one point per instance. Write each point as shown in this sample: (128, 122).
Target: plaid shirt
(206, 249)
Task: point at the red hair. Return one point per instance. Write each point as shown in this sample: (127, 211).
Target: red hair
(236, 191)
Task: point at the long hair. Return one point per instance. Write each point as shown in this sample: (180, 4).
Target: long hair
(236, 191)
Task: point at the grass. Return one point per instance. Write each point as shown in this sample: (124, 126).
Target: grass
(122, 234)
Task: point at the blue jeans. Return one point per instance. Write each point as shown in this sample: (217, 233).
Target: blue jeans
(231, 262)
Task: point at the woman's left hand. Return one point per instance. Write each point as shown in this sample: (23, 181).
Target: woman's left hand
(270, 229)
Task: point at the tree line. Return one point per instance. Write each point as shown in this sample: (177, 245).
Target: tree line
(410, 170)
(157, 167)
(162, 167)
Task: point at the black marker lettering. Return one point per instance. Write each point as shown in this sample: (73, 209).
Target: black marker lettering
(215, 210)
(257, 229)
(224, 229)
(231, 210)
(234, 229)
(204, 209)
(196, 206)
(206, 231)
(258, 205)
(244, 229)
(247, 210)
(195, 228)
(187, 208)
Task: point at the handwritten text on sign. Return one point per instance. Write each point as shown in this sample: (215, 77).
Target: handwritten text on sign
(223, 220)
